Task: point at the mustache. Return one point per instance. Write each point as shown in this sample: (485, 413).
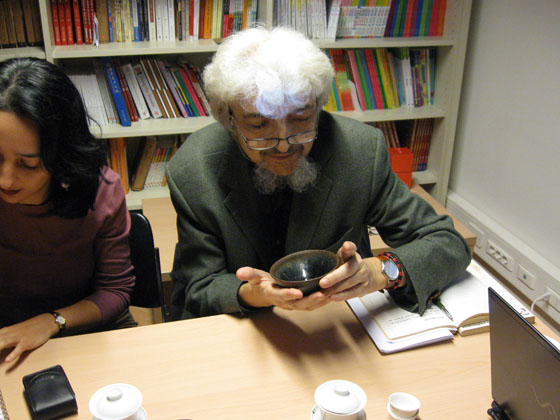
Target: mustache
(292, 149)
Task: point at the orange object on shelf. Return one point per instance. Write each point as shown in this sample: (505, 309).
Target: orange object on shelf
(401, 163)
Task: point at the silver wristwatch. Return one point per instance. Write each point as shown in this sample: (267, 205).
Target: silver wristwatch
(59, 320)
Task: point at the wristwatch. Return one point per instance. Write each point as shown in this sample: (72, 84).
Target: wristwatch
(59, 320)
(389, 269)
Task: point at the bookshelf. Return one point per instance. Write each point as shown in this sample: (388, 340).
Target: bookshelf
(451, 48)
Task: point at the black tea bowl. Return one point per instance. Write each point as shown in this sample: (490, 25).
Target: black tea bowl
(303, 269)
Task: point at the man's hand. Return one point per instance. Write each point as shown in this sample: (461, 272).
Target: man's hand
(259, 290)
(356, 276)
(27, 335)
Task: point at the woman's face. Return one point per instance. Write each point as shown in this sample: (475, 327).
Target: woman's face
(23, 178)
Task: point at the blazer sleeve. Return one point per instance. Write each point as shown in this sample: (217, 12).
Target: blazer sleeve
(202, 285)
(432, 252)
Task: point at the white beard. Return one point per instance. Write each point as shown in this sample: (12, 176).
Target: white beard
(304, 176)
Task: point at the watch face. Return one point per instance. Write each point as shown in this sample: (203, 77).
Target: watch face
(390, 269)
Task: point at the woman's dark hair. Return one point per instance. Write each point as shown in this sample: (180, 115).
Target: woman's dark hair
(41, 92)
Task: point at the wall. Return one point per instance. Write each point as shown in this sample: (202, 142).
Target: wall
(506, 168)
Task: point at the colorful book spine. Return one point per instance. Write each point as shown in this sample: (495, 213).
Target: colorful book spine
(356, 78)
(116, 91)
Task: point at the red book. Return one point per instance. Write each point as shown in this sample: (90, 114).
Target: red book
(374, 79)
(68, 22)
(192, 92)
(191, 21)
(198, 89)
(441, 17)
(77, 22)
(62, 22)
(201, 19)
(434, 18)
(56, 23)
(129, 102)
(410, 7)
(356, 78)
(88, 22)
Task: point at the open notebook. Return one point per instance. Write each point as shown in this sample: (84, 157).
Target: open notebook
(394, 329)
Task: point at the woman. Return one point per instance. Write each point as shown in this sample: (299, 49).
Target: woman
(64, 255)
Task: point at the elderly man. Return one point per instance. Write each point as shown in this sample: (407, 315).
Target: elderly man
(277, 174)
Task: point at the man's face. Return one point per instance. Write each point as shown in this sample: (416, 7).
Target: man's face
(282, 159)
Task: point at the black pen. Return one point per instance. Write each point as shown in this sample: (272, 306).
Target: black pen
(443, 308)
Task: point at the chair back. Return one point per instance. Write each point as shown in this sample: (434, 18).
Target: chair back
(148, 291)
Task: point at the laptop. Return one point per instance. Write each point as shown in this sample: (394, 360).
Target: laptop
(525, 367)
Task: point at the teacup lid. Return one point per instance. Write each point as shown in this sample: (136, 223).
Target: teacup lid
(340, 397)
(115, 402)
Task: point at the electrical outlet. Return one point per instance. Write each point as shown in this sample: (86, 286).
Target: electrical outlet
(553, 299)
(499, 255)
(480, 237)
(526, 277)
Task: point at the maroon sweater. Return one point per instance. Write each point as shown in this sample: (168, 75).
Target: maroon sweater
(48, 262)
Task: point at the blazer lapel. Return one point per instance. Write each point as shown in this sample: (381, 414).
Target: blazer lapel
(305, 216)
(241, 201)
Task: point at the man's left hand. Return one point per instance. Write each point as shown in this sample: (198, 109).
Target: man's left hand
(356, 276)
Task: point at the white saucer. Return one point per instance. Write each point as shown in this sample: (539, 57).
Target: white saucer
(316, 414)
(140, 415)
(392, 414)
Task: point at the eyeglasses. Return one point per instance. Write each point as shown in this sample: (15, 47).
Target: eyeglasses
(260, 144)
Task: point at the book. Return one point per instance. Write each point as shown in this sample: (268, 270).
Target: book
(141, 170)
(17, 17)
(135, 91)
(77, 22)
(102, 13)
(465, 301)
(116, 91)
(117, 153)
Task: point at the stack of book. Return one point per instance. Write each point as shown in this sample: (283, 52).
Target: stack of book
(121, 91)
(418, 138)
(416, 18)
(381, 78)
(148, 20)
(330, 19)
(413, 134)
(20, 24)
(141, 162)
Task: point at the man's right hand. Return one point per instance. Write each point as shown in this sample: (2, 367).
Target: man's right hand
(260, 291)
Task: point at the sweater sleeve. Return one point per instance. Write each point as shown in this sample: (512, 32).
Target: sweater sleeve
(113, 280)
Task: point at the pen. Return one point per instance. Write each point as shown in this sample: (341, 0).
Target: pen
(443, 308)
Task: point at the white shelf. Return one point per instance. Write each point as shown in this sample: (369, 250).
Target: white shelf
(115, 49)
(402, 113)
(422, 42)
(7, 53)
(153, 127)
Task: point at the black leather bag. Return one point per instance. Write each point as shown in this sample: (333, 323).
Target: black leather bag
(49, 394)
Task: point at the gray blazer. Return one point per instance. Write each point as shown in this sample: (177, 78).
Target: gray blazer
(218, 221)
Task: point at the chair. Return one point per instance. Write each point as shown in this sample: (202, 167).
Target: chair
(148, 291)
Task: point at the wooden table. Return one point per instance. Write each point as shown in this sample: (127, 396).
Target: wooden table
(162, 217)
(266, 366)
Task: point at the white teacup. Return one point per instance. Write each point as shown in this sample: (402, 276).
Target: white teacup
(340, 400)
(403, 406)
(117, 402)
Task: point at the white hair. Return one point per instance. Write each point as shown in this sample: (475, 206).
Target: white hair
(277, 70)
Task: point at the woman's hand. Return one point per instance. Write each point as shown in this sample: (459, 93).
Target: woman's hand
(27, 335)
(356, 276)
(259, 290)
